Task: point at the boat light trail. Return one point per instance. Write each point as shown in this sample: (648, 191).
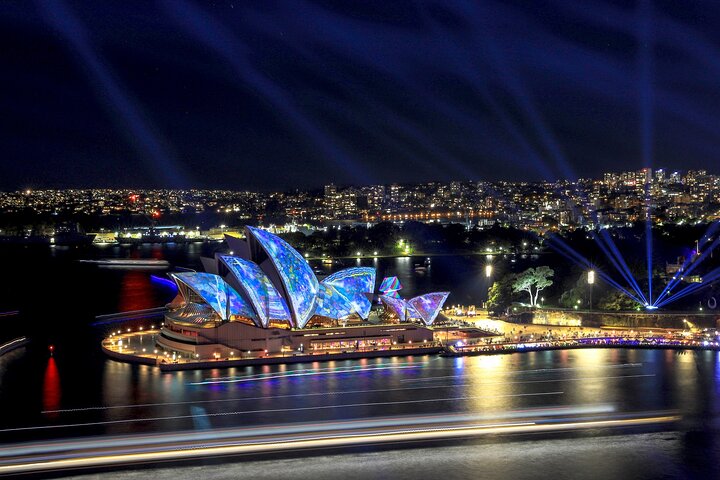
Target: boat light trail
(343, 392)
(305, 373)
(178, 447)
(279, 410)
(325, 425)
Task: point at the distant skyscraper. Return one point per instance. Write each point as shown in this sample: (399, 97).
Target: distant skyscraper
(660, 175)
(644, 176)
(330, 201)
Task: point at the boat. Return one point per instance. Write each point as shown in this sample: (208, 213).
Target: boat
(129, 263)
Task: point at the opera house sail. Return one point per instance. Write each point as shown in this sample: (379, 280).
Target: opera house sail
(265, 285)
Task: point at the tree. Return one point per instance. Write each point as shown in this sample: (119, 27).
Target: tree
(533, 281)
(500, 294)
(616, 300)
(575, 293)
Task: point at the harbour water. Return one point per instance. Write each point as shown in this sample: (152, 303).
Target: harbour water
(78, 392)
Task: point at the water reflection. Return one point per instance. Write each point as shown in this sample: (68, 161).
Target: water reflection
(52, 393)
(137, 292)
(489, 377)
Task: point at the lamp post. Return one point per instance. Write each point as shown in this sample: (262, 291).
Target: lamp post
(591, 282)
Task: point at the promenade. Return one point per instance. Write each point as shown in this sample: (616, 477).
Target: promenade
(517, 338)
(139, 346)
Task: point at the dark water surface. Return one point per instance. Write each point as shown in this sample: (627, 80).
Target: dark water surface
(78, 392)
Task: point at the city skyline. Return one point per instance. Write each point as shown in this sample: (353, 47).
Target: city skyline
(180, 94)
(321, 187)
(617, 199)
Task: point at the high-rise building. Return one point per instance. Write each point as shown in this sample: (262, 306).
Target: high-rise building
(660, 175)
(330, 201)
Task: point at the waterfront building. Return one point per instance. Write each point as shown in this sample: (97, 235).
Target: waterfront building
(264, 298)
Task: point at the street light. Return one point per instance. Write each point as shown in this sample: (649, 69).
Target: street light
(591, 282)
(488, 270)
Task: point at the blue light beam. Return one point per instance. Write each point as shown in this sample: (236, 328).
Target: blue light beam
(214, 35)
(139, 132)
(707, 280)
(693, 261)
(568, 252)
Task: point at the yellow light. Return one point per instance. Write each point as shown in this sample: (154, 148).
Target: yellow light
(488, 270)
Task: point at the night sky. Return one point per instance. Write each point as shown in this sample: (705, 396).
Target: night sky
(273, 95)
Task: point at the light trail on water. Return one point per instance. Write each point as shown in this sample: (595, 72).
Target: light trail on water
(309, 372)
(278, 410)
(218, 434)
(344, 392)
(179, 446)
(529, 371)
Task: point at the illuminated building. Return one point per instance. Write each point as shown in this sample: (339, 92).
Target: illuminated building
(424, 308)
(265, 297)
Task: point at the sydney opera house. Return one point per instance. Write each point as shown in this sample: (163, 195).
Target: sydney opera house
(264, 298)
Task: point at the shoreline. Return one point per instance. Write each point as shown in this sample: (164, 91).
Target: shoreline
(243, 362)
(527, 338)
(656, 343)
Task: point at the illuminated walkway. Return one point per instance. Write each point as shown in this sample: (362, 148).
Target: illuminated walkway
(139, 346)
(677, 342)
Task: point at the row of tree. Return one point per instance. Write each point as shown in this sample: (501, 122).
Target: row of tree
(532, 281)
(412, 237)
